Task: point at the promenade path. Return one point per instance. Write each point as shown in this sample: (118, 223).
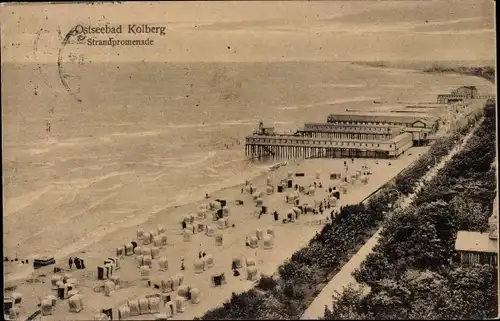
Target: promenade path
(344, 277)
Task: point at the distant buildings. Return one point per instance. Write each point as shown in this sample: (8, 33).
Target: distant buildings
(477, 247)
(461, 94)
(349, 135)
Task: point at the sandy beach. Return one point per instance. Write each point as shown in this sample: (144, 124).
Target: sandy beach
(289, 238)
(119, 218)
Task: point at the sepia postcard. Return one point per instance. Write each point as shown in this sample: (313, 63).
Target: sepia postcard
(221, 160)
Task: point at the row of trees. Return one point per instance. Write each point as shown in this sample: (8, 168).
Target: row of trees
(406, 181)
(484, 72)
(287, 294)
(410, 272)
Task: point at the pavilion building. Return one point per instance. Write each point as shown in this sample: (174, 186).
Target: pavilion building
(345, 135)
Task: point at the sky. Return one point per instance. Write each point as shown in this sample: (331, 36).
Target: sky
(259, 31)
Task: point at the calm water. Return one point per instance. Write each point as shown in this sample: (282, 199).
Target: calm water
(146, 136)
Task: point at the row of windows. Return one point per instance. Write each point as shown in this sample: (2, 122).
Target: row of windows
(309, 142)
(367, 123)
(339, 128)
(355, 136)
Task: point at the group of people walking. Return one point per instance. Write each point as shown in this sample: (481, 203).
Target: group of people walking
(79, 263)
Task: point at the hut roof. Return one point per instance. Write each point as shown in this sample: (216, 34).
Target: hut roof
(475, 242)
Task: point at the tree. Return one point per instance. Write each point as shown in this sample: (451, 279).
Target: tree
(347, 306)
(468, 215)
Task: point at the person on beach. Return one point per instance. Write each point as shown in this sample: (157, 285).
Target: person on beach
(82, 264)
(331, 215)
(194, 230)
(276, 215)
(199, 255)
(70, 262)
(184, 225)
(206, 195)
(203, 254)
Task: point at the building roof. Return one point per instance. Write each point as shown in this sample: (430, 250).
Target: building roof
(400, 137)
(377, 117)
(475, 242)
(468, 87)
(351, 125)
(371, 118)
(417, 129)
(339, 140)
(341, 128)
(428, 123)
(411, 112)
(426, 105)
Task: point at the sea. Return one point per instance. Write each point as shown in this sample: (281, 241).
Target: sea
(130, 140)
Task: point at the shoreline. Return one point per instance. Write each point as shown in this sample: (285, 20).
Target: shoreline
(14, 276)
(290, 237)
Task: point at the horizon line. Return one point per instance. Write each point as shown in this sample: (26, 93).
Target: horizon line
(492, 60)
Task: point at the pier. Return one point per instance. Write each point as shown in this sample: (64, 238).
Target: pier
(264, 146)
(355, 134)
(352, 135)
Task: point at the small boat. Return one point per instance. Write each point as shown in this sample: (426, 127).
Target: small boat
(376, 102)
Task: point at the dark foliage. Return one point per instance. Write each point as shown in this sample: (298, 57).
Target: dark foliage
(267, 283)
(410, 271)
(484, 72)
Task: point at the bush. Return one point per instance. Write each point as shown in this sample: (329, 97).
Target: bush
(413, 256)
(267, 283)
